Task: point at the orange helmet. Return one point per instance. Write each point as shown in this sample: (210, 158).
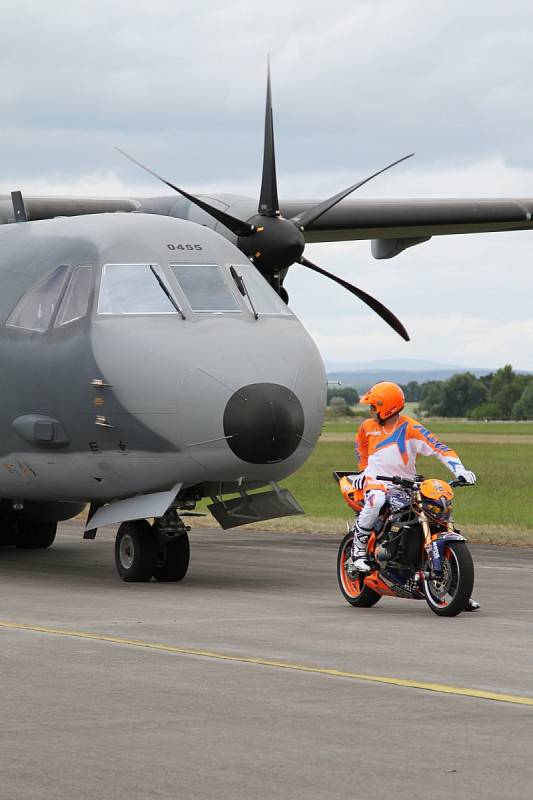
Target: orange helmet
(387, 397)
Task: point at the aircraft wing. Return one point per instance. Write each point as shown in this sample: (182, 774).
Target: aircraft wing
(393, 225)
(48, 207)
(397, 224)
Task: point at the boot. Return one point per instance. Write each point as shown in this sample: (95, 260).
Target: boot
(359, 549)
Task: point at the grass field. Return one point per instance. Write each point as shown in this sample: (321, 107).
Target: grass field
(500, 495)
(498, 509)
(442, 426)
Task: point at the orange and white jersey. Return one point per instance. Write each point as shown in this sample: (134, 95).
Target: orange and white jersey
(382, 450)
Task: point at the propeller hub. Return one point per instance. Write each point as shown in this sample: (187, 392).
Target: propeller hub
(275, 244)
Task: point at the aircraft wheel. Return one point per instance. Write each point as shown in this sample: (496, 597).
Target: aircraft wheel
(172, 560)
(7, 535)
(31, 535)
(135, 551)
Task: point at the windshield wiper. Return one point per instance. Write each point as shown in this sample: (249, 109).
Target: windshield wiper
(241, 286)
(166, 291)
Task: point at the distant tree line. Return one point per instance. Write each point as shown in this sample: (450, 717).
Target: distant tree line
(503, 394)
(341, 400)
(347, 393)
(500, 395)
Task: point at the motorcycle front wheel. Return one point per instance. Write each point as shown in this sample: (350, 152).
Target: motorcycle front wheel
(353, 589)
(447, 594)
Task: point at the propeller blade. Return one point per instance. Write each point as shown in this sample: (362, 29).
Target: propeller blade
(305, 219)
(236, 226)
(268, 199)
(374, 304)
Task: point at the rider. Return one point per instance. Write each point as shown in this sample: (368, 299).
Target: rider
(388, 444)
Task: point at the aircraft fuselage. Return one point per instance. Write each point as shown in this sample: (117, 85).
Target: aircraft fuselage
(127, 400)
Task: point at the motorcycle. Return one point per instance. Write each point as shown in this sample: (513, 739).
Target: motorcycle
(415, 551)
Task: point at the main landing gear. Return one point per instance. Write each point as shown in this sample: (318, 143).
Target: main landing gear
(161, 550)
(26, 534)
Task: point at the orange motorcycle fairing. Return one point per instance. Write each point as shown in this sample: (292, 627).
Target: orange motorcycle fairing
(374, 581)
(354, 497)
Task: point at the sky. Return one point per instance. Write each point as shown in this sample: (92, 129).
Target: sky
(356, 84)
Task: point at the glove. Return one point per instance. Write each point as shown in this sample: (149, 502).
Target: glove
(465, 475)
(358, 481)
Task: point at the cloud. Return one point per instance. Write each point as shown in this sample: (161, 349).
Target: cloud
(185, 83)
(355, 85)
(470, 342)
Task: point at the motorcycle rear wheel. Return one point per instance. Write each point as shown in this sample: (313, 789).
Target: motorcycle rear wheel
(448, 595)
(353, 590)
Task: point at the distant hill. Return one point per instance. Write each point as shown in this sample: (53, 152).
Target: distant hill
(402, 371)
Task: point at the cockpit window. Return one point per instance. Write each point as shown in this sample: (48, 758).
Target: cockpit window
(263, 296)
(132, 289)
(205, 287)
(76, 299)
(35, 309)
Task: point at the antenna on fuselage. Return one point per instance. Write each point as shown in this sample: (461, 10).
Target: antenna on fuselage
(19, 208)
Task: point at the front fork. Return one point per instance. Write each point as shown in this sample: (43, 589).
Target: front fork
(434, 543)
(430, 540)
(430, 547)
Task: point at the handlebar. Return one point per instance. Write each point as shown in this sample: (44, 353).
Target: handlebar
(398, 481)
(407, 483)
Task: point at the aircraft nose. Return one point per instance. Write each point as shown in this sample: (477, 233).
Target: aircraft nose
(264, 423)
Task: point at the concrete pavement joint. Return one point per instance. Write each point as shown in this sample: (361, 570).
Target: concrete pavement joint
(439, 688)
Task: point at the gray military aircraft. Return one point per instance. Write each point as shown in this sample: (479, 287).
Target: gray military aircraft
(150, 359)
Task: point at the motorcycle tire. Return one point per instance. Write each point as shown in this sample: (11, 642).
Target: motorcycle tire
(448, 595)
(353, 590)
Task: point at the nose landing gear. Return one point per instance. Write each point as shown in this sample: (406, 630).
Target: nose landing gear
(161, 550)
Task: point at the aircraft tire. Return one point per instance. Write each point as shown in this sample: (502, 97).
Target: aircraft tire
(173, 560)
(135, 551)
(33, 535)
(7, 535)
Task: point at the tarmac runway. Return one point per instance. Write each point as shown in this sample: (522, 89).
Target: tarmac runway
(254, 678)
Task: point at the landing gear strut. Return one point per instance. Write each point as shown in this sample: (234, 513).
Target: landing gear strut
(160, 550)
